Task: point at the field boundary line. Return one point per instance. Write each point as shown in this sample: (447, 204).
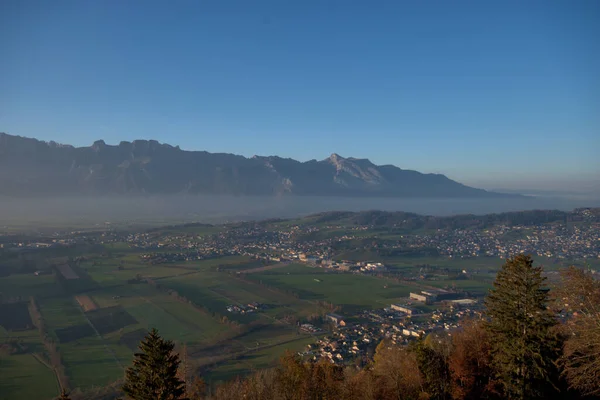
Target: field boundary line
(41, 360)
(54, 372)
(266, 287)
(176, 318)
(106, 347)
(263, 268)
(228, 299)
(177, 275)
(241, 354)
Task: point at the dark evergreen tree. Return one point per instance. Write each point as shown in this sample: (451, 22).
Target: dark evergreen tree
(435, 373)
(523, 345)
(154, 371)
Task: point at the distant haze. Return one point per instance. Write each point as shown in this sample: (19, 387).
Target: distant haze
(583, 185)
(84, 212)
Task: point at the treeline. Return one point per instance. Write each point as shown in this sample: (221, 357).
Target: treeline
(411, 221)
(273, 288)
(532, 343)
(178, 226)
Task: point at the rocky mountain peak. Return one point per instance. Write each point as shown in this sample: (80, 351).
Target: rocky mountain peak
(98, 145)
(148, 167)
(336, 160)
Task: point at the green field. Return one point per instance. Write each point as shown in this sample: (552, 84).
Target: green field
(96, 345)
(212, 293)
(89, 360)
(23, 377)
(351, 291)
(26, 285)
(176, 321)
(107, 275)
(26, 376)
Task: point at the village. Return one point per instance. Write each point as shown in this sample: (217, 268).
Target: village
(316, 245)
(353, 339)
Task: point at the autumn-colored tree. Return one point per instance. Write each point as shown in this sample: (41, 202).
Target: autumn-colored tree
(290, 377)
(397, 372)
(361, 385)
(64, 395)
(520, 327)
(325, 381)
(256, 386)
(578, 295)
(197, 389)
(153, 374)
(470, 362)
(231, 390)
(260, 386)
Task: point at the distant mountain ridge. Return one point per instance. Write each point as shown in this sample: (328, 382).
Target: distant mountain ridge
(30, 167)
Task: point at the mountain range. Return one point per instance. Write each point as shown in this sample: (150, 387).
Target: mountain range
(30, 167)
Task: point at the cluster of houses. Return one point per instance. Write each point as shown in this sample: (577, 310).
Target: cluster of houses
(341, 265)
(310, 328)
(342, 346)
(20, 245)
(549, 240)
(320, 260)
(356, 266)
(559, 240)
(245, 308)
(164, 258)
(398, 323)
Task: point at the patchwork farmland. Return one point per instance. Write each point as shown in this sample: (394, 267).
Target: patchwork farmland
(98, 307)
(97, 310)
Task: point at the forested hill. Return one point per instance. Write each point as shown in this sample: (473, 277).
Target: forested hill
(399, 219)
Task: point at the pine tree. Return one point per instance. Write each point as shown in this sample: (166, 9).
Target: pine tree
(154, 371)
(524, 347)
(435, 373)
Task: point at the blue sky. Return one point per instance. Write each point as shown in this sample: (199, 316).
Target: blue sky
(493, 93)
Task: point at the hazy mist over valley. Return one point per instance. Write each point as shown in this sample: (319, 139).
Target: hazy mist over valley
(157, 210)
